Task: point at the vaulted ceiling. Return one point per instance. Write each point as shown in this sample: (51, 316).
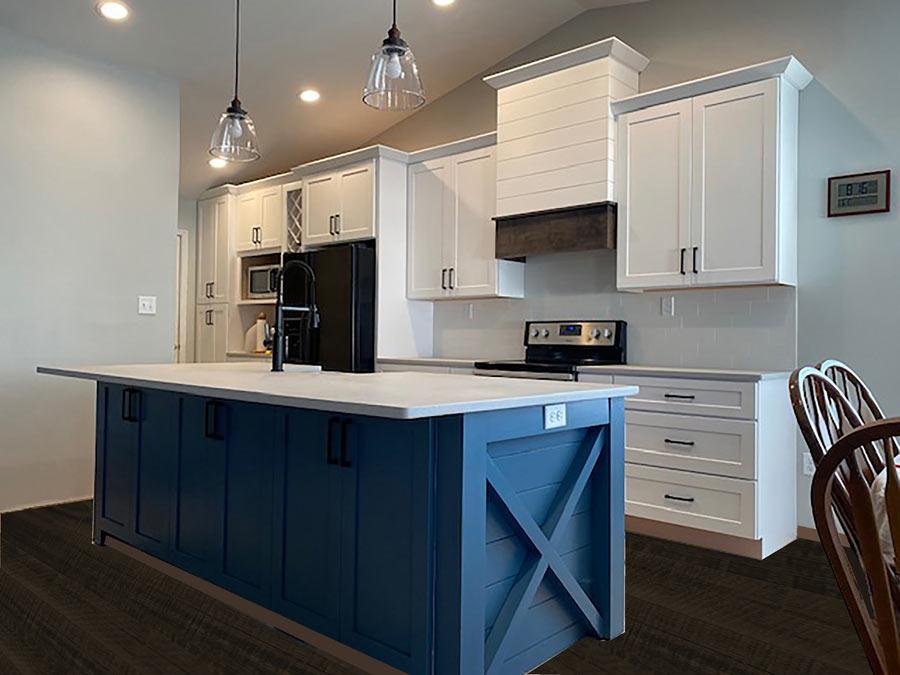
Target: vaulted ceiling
(288, 45)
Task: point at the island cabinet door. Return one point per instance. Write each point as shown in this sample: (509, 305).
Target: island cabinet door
(222, 519)
(385, 552)
(307, 520)
(136, 450)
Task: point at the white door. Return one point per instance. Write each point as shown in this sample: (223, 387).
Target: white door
(356, 219)
(210, 333)
(734, 219)
(473, 268)
(430, 212)
(220, 277)
(206, 249)
(654, 190)
(321, 208)
(247, 233)
(271, 218)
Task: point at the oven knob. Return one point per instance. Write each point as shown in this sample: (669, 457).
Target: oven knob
(595, 333)
(535, 332)
(545, 333)
(607, 333)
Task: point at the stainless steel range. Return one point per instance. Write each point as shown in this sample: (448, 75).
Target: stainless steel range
(555, 349)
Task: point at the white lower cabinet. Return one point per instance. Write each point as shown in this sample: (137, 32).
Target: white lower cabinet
(211, 333)
(716, 456)
(712, 503)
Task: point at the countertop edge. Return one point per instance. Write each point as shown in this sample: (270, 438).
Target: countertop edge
(371, 410)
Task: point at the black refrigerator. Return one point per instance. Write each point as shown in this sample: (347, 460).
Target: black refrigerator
(345, 293)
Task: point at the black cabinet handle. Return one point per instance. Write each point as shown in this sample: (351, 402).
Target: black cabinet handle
(451, 280)
(345, 431)
(696, 248)
(444, 279)
(670, 441)
(211, 422)
(676, 498)
(329, 441)
(681, 397)
(131, 405)
(683, 251)
(337, 223)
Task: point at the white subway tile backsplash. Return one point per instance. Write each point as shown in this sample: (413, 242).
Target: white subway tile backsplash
(752, 327)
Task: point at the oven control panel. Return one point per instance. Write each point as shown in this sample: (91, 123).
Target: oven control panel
(571, 333)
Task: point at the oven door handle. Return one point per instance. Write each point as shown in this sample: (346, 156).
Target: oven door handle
(526, 375)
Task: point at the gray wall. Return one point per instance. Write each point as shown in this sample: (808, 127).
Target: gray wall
(89, 188)
(848, 267)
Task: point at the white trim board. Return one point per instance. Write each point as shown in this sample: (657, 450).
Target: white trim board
(611, 47)
(787, 68)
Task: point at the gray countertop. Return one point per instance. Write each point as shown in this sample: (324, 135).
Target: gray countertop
(631, 370)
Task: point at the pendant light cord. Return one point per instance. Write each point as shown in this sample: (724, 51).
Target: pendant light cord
(395, 13)
(237, 45)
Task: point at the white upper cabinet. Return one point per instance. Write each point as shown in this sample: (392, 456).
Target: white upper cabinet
(451, 231)
(322, 203)
(340, 205)
(707, 184)
(430, 207)
(260, 220)
(212, 249)
(654, 185)
(734, 218)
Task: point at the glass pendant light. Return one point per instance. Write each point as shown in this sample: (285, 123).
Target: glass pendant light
(234, 139)
(394, 82)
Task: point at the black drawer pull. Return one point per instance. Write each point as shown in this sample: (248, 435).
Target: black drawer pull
(211, 423)
(679, 499)
(683, 251)
(682, 397)
(345, 431)
(672, 441)
(329, 441)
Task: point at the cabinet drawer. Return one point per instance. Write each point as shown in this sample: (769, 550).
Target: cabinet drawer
(405, 368)
(712, 503)
(705, 444)
(591, 378)
(692, 397)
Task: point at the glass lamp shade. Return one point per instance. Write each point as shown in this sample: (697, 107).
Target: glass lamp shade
(394, 82)
(234, 139)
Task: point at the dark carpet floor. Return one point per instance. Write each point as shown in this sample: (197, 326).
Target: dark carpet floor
(69, 607)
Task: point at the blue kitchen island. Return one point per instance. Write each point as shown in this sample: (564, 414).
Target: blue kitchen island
(441, 524)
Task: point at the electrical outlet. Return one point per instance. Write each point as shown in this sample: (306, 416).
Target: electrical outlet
(667, 305)
(809, 467)
(554, 416)
(146, 304)
(470, 311)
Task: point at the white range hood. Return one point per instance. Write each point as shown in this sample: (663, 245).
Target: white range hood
(555, 131)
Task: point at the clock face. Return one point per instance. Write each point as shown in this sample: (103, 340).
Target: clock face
(857, 194)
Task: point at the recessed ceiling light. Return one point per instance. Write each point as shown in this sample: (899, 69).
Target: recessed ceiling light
(310, 96)
(112, 10)
(444, 3)
(218, 163)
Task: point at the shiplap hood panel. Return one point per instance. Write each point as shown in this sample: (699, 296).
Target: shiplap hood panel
(555, 131)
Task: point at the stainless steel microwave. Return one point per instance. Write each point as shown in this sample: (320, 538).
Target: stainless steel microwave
(262, 281)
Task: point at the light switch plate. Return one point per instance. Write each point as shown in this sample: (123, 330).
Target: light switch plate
(555, 416)
(146, 304)
(667, 305)
(809, 467)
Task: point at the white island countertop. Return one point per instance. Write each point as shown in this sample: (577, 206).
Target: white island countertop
(394, 395)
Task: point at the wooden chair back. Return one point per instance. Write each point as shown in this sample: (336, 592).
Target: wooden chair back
(853, 387)
(840, 478)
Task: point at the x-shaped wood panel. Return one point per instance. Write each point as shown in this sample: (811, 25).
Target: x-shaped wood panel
(545, 544)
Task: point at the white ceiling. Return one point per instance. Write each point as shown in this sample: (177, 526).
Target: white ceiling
(289, 45)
